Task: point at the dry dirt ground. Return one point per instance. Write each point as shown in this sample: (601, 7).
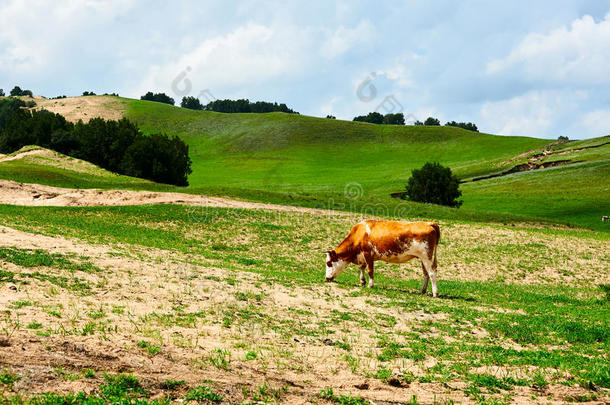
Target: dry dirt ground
(15, 193)
(82, 108)
(155, 314)
(132, 301)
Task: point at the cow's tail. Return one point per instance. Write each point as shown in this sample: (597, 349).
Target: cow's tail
(437, 229)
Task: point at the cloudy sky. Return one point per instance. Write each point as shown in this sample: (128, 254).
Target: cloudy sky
(533, 68)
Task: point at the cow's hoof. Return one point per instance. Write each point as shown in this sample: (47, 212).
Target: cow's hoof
(362, 283)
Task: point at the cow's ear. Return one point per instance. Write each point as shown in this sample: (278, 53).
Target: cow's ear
(333, 256)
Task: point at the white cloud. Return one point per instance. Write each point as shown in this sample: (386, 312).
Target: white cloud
(579, 53)
(250, 54)
(343, 39)
(33, 34)
(535, 113)
(598, 122)
(254, 54)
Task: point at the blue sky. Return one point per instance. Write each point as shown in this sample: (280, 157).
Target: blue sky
(533, 68)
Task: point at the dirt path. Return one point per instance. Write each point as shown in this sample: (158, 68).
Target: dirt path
(8, 158)
(15, 193)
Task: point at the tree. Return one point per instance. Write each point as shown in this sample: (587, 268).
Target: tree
(372, 117)
(418, 122)
(158, 97)
(331, 117)
(432, 121)
(191, 102)
(159, 158)
(88, 93)
(464, 125)
(394, 119)
(246, 106)
(434, 184)
(1, 93)
(563, 138)
(17, 92)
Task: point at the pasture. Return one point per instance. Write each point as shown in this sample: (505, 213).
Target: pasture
(171, 302)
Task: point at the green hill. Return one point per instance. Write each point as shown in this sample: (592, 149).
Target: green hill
(306, 158)
(301, 160)
(278, 151)
(33, 164)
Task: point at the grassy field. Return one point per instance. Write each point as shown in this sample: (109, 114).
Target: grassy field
(286, 152)
(296, 159)
(228, 305)
(315, 162)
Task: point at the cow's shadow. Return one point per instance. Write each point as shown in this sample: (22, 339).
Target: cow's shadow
(416, 292)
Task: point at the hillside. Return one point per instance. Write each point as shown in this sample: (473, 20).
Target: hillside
(301, 160)
(33, 164)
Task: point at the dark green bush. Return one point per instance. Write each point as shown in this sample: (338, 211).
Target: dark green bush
(434, 184)
(158, 97)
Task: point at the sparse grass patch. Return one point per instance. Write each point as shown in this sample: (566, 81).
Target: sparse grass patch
(7, 377)
(152, 349)
(202, 393)
(348, 399)
(220, 358)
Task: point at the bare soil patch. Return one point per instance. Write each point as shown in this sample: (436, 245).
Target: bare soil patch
(15, 193)
(83, 108)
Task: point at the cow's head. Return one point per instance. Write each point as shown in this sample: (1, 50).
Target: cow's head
(334, 265)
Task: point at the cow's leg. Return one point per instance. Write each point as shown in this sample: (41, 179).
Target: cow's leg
(430, 267)
(362, 276)
(369, 263)
(426, 278)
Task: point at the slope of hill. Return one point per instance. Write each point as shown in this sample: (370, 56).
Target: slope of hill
(278, 151)
(33, 164)
(301, 160)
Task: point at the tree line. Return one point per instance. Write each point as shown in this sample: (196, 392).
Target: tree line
(377, 118)
(236, 106)
(17, 92)
(118, 146)
(399, 119)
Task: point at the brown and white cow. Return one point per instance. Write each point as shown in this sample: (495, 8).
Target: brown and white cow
(389, 241)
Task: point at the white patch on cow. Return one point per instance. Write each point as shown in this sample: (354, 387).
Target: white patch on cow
(407, 251)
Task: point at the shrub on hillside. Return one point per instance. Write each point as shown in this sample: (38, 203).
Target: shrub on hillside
(17, 92)
(432, 121)
(158, 97)
(1, 93)
(191, 103)
(88, 93)
(377, 118)
(464, 125)
(331, 117)
(246, 106)
(434, 184)
(158, 157)
(394, 119)
(372, 117)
